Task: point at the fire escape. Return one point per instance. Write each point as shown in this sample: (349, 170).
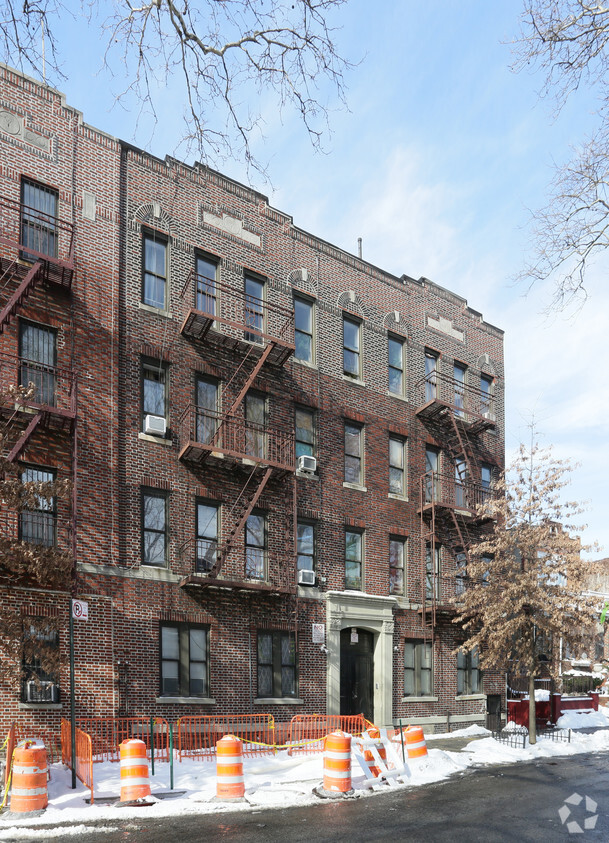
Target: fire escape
(455, 414)
(260, 335)
(36, 250)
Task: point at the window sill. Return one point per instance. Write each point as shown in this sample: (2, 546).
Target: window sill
(158, 310)
(470, 697)
(40, 706)
(185, 701)
(398, 396)
(395, 497)
(355, 381)
(354, 486)
(278, 701)
(159, 440)
(420, 699)
(305, 363)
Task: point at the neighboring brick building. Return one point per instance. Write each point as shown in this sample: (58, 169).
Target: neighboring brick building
(256, 408)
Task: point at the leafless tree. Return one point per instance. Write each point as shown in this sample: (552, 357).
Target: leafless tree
(527, 581)
(568, 40)
(226, 54)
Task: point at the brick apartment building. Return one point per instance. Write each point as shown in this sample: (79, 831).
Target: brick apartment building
(276, 448)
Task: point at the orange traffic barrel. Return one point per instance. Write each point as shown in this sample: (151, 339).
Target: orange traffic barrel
(369, 757)
(229, 768)
(29, 788)
(337, 763)
(135, 783)
(415, 742)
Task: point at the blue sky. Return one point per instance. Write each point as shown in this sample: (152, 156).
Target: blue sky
(435, 165)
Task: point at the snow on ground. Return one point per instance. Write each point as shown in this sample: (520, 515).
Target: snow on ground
(278, 781)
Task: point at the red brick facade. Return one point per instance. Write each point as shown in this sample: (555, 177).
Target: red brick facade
(114, 196)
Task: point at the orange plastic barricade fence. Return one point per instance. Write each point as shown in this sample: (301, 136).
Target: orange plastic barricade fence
(108, 733)
(29, 788)
(198, 734)
(11, 742)
(308, 731)
(84, 754)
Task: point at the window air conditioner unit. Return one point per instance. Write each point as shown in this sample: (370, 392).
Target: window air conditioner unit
(306, 577)
(155, 425)
(307, 464)
(43, 692)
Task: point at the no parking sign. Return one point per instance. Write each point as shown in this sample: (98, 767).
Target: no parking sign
(80, 610)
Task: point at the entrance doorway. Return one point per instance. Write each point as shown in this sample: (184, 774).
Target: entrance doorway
(357, 672)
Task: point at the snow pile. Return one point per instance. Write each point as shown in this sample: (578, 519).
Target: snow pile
(278, 781)
(541, 695)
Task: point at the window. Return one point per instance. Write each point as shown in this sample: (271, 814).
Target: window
(432, 571)
(460, 482)
(207, 536)
(303, 329)
(397, 553)
(40, 664)
(255, 546)
(418, 669)
(306, 545)
(254, 308)
(486, 397)
(154, 389)
(154, 291)
(305, 432)
(255, 425)
(354, 440)
(459, 375)
(469, 675)
(352, 329)
(37, 524)
(154, 528)
(431, 375)
(206, 293)
(354, 555)
(38, 220)
(37, 360)
(397, 381)
(486, 481)
(276, 664)
(184, 660)
(461, 573)
(432, 478)
(206, 399)
(397, 466)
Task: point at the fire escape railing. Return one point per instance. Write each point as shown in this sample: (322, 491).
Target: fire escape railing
(446, 491)
(238, 313)
(33, 236)
(237, 437)
(40, 527)
(468, 403)
(54, 387)
(277, 570)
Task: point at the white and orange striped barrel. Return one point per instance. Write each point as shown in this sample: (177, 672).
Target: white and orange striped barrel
(135, 783)
(337, 762)
(29, 788)
(229, 768)
(415, 742)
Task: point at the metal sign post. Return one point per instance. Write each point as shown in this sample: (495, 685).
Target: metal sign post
(78, 609)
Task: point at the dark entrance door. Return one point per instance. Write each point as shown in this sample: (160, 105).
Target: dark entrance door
(493, 712)
(356, 673)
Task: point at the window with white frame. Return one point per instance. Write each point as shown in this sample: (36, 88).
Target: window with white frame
(397, 555)
(304, 419)
(432, 570)
(396, 355)
(418, 668)
(154, 270)
(254, 307)
(207, 536)
(255, 546)
(306, 545)
(184, 656)
(354, 560)
(431, 374)
(352, 343)
(154, 390)
(304, 312)
(354, 453)
(397, 466)
(277, 674)
(154, 528)
(459, 375)
(206, 293)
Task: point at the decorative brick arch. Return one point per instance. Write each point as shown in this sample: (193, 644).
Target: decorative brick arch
(349, 300)
(303, 280)
(395, 323)
(152, 214)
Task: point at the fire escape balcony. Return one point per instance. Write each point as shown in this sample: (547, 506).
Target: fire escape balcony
(54, 395)
(442, 595)
(471, 406)
(28, 236)
(231, 317)
(444, 492)
(251, 570)
(206, 435)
